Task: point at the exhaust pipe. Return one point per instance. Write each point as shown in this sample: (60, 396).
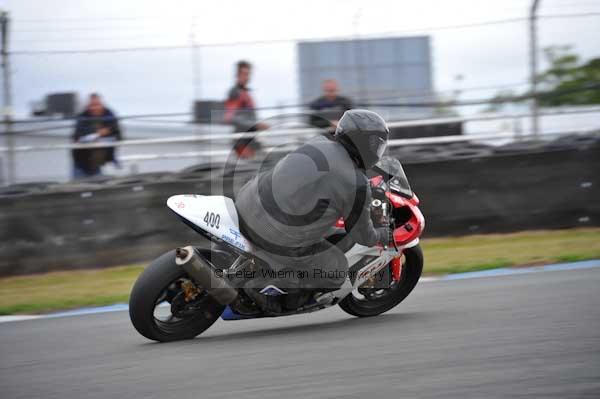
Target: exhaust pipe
(199, 269)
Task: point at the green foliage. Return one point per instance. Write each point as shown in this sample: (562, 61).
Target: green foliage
(566, 81)
(500, 101)
(566, 78)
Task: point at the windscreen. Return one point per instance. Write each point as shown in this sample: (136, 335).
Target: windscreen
(392, 171)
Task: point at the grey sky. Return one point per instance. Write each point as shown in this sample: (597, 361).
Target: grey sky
(161, 81)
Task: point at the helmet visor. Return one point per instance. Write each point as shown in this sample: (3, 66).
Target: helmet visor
(378, 145)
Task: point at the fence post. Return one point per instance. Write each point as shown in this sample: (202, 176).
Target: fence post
(533, 67)
(7, 100)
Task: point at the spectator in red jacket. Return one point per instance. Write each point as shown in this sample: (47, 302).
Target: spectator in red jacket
(241, 113)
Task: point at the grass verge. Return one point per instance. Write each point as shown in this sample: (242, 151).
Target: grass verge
(71, 289)
(490, 251)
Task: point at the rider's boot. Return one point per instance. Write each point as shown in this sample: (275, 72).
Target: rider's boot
(297, 297)
(265, 295)
(270, 304)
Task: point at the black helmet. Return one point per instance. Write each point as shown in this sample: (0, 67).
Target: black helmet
(364, 134)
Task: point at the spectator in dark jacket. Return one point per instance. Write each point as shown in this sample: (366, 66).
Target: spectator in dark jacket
(96, 124)
(240, 112)
(330, 107)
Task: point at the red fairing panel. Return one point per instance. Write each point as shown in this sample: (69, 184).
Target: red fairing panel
(399, 201)
(413, 228)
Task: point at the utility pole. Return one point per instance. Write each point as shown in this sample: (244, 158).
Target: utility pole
(7, 99)
(533, 67)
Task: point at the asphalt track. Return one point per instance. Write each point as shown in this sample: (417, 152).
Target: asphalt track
(528, 335)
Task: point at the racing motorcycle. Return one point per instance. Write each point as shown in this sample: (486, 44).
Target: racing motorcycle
(184, 291)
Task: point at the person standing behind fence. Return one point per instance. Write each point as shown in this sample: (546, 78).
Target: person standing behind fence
(96, 124)
(241, 113)
(330, 107)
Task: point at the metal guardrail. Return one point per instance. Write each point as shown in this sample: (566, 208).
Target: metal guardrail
(224, 137)
(391, 144)
(476, 137)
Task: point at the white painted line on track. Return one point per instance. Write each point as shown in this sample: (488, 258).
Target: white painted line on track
(120, 307)
(4, 319)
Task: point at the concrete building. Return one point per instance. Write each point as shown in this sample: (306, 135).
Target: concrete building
(371, 70)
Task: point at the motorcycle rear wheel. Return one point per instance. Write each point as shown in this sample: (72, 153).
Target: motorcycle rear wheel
(160, 287)
(412, 267)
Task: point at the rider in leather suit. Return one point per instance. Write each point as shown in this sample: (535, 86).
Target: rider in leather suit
(288, 211)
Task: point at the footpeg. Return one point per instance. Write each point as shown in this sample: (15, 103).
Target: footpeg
(329, 297)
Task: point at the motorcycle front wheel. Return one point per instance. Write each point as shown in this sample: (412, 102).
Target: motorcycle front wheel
(166, 305)
(379, 301)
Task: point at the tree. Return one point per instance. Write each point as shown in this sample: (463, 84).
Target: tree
(567, 81)
(500, 101)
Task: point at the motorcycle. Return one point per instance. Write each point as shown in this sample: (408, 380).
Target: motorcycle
(184, 291)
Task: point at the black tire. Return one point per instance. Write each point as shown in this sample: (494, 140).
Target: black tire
(412, 268)
(145, 293)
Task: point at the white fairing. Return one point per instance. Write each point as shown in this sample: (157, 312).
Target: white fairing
(215, 214)
(382, 258)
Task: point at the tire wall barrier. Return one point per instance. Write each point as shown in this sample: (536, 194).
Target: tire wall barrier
(433, 130)
(128, 222)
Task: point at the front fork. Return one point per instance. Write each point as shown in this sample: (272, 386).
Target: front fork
(396, 264)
